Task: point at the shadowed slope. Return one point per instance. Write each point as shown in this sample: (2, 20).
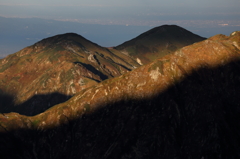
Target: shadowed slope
(33, 106)
(158, 42)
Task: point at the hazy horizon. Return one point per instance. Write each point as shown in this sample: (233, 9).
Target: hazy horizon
(111, 22)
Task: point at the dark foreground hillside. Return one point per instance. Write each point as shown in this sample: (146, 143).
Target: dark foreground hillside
(184, 105)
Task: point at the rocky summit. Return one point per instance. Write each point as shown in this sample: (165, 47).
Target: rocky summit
(183, 105)
(158, 42)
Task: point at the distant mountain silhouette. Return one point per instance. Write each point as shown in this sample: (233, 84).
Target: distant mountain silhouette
(158, 42)
(183, 105)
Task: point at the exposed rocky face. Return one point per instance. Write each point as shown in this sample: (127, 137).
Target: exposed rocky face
(184, 105)
(54, 69)
(158, 42)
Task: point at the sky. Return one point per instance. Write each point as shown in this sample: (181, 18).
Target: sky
(134, 12)
(205, 17)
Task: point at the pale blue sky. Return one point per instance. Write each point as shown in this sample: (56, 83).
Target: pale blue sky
(125, 2)
(121, 9)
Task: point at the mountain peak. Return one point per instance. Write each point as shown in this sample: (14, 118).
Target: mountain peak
(165, 31)
(58, 66)
(159, 42)
(62, 38)
(166, 28)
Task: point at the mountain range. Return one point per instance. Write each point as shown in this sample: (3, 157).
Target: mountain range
(54, 69)
(182, 105)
